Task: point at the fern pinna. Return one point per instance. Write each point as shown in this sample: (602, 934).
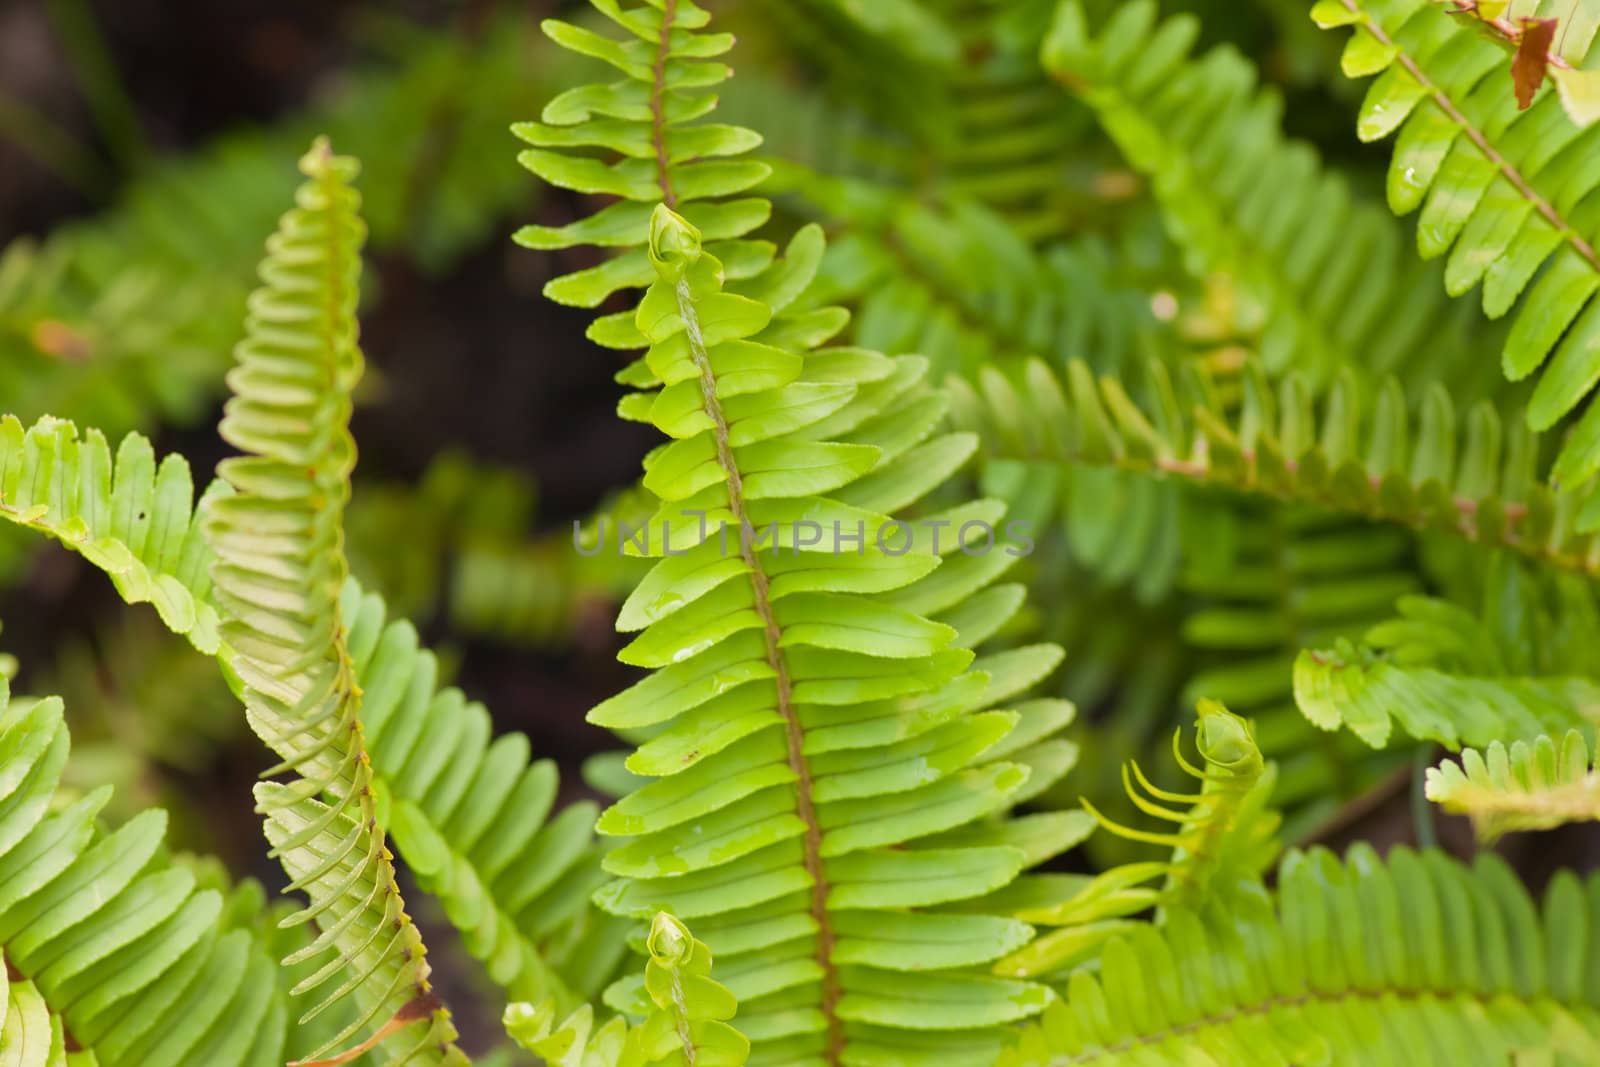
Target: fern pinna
(817, 738)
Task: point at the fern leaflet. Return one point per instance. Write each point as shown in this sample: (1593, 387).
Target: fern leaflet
(1526, 787)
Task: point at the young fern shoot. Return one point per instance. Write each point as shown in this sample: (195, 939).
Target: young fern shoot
(279, 573)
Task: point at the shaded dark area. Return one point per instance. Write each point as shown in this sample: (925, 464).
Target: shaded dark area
(474, 359)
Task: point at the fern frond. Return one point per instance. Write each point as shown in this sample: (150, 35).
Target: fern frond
(817, 740)
(1478, 482)
(1223, 838)
(106, 942)
(684, 1012)
(1505, 192)
(1520, 668)
(1526, 787)
(1338, 291)
(472, 819)
(279, 571)
(1409, 958)
(130, 517)
(473, 831)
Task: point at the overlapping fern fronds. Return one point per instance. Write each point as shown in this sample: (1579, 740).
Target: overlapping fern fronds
(818, 743)
(1408, 958)
(474, 829)
(684, 1018)
(279, 570)
(1334, 287)
(112, 950)
(1528, 786)
(1509, 194)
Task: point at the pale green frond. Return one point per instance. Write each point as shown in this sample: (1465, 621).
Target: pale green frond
(279, 569)
(1529, 786)
(134, 519)
(683, 1015)
(827, 757)
(475, 830)
(1220, 842)
(1519, 667)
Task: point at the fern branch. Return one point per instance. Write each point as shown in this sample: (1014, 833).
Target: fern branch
(684, 1015)
(1449, 675)
(1223, 840)
(794, 696)
(1471, 972)
(1479, 486)
(1504, 191)
(474, 832)
(1526, 787)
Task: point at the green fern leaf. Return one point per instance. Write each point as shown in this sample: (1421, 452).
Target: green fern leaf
(1526, 787)
(1519, 669)
(1504, 192)
(1478, 482)
(133, 519)
(1223, 843)
(1409, 957)
(822, 753)
(474, 832)
(107, 943)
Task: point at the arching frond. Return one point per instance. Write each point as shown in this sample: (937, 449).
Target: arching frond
(132, 518)
(1478, 481)
(278, 571)
(1520, 668)
(1333, 284)
(1525, 787)
(107, 943)
(475, 820)
(1413, 958)
(684, 1012)
(1508, 194)
(1223, 839)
